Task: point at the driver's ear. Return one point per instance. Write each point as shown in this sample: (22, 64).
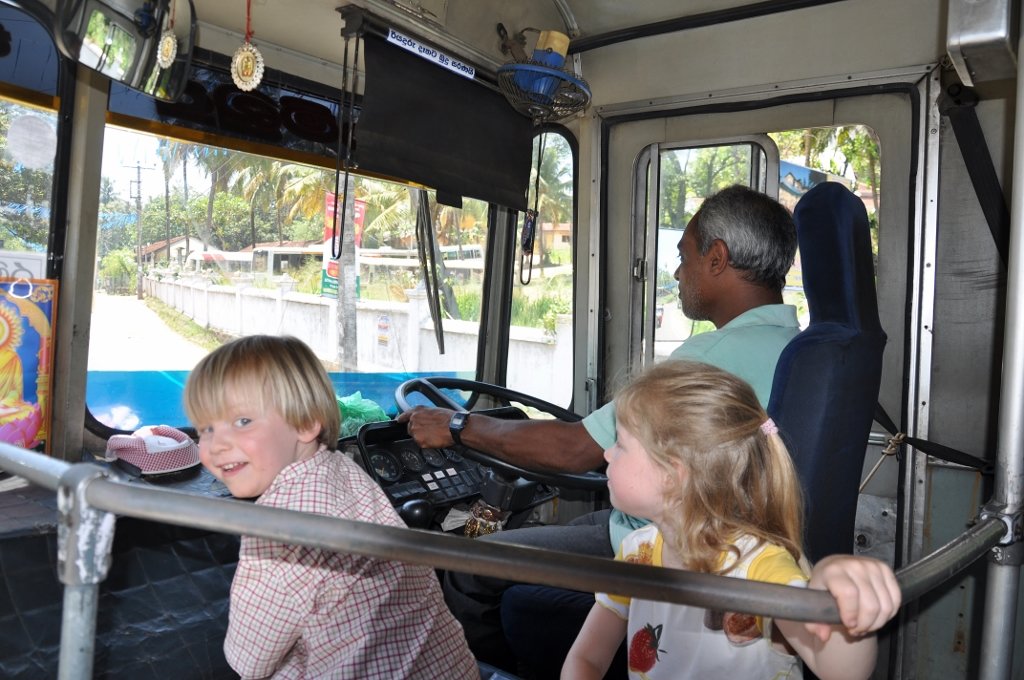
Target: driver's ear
(717, 257)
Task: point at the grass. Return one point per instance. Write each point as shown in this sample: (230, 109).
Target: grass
(185, 327)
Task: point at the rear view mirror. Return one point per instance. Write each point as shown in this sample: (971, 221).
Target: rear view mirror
(145, 44)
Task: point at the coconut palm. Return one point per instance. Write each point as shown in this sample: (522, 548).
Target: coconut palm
(389, 217)
(172, 155)
(263, 182)
(554, 180)
(219, 165)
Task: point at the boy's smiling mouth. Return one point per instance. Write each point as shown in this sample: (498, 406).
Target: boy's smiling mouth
(231, 467)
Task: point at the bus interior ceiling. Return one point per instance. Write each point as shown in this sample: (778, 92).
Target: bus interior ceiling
(666, 75)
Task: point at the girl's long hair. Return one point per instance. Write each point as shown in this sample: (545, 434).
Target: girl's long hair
(738, 480)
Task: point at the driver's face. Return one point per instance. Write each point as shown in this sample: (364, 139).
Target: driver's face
(690, 275)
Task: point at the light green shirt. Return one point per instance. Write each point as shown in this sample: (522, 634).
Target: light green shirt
(748, 347)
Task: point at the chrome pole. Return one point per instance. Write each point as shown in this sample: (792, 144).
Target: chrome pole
(78, 632)
(1003, 582)
(85, 537)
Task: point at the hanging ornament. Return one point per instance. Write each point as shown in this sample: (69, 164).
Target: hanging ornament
(168, 46)
(247, 63)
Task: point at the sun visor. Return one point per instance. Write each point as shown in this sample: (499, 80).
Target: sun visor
(440, 129)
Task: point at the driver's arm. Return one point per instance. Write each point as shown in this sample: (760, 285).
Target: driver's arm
(536, 444)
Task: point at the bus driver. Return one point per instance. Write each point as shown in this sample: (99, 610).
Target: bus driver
(733, 260)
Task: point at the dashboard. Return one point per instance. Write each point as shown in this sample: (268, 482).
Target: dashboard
(406, 472)
(441, 477)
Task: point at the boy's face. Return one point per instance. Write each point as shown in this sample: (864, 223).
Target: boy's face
(636, 484)
(247, 447)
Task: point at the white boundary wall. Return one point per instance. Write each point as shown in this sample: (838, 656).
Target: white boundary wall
(539, 364)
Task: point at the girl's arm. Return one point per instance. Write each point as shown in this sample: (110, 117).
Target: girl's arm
(867, 595)
(595, 646)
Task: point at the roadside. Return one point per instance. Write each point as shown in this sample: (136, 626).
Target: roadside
(126, 335)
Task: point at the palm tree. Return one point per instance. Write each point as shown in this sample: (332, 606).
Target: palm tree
(263, 181)
(219, 165)
(388, 210)
(172, 154)
(555, 197)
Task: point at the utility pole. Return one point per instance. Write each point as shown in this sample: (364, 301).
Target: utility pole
(136, 187)
(135, 191)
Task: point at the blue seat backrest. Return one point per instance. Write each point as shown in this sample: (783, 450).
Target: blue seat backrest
(827, 379)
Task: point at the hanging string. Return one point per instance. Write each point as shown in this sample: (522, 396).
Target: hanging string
(351, 136)
(536, 180)
(170, 24)
(335, 230)
(248, 20)
(346, 137)
(530, 224)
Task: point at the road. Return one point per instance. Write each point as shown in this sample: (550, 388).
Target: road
(126, 335)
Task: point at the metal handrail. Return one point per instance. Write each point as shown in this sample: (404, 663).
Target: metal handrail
(942, 564)
(35, 468)
(518, 563)
(507, 561)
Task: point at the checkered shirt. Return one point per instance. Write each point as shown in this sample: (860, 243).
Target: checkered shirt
(298, 612)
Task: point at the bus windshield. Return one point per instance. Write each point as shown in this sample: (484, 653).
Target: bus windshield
(230, 243)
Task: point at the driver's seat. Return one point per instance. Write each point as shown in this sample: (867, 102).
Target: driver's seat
(827, 378)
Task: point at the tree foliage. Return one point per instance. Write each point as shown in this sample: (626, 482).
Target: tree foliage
(844, 151)
(24, 192)
(689, 175)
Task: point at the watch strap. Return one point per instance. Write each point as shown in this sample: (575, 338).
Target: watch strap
(456, 425)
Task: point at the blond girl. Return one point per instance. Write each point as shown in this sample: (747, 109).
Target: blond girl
(697, 455)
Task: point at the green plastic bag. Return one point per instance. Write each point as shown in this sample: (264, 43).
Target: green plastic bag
(355, 411)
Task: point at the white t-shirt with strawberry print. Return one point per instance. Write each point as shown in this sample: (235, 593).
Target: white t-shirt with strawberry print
(679, 641)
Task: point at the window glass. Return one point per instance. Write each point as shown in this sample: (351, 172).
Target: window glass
(847, 154)
(26, 184)
(688, 176)
(233, 243)
(540, 360)
(28, 145)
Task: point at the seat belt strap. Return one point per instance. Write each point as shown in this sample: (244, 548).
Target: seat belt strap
(958, 104)
(939, 451)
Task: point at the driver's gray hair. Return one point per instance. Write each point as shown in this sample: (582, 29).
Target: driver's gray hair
(758, 231)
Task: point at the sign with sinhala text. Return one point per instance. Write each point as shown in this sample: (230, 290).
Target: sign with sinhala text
(430, 54)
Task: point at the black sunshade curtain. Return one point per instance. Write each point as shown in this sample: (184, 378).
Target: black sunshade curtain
(421, 123)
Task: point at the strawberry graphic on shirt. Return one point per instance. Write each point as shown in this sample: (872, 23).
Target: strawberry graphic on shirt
(643, 649)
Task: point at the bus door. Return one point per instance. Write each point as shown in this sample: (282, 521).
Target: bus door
(662, 164)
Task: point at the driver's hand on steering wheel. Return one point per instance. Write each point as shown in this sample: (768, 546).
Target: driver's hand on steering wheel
(428, 426)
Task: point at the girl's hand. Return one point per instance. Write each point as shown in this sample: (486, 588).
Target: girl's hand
(865, 591)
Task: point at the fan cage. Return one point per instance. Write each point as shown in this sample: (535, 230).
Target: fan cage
(541, 92)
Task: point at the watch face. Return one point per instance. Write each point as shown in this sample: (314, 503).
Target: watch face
(456, 425)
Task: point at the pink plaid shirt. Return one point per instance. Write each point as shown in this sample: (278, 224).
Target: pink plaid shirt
(300, 612)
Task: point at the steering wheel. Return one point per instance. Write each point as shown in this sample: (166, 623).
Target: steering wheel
(431, 389)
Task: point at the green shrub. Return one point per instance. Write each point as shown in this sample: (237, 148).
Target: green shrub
(118, 269)
(308, 277)
(468, 301)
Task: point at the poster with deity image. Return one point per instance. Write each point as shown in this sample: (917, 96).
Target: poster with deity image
(28, 308)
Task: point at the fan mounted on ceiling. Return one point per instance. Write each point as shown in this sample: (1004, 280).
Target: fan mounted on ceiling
(538, 87)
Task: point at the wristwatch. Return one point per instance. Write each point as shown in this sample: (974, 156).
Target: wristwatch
(457, 424)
